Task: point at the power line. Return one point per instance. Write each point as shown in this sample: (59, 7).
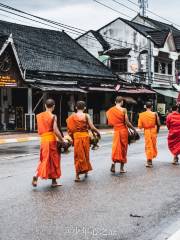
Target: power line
(155, 14)
(58, 28)
(118, 43)
(16, 19)
(133, 10)
(40, 18)
(56, 23)
(124, 6)
(111, 8)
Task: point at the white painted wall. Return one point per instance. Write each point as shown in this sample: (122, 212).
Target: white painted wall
(125, 37)
(90, 43)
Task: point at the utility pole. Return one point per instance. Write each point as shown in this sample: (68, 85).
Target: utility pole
(149, 60)
(143, 4)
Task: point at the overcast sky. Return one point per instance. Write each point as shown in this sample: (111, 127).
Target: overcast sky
(87, 14)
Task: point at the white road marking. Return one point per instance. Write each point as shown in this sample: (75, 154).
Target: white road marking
(175, 236)
(18, 156)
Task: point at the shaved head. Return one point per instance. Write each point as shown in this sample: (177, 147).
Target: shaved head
(50, 103)
(119, 99)
(148, 104)
(80, 105)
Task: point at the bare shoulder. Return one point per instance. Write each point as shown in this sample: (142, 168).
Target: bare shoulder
(54, 116)
(124, 110)
(87, 115)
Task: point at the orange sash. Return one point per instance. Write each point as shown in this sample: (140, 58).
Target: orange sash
(48, 137)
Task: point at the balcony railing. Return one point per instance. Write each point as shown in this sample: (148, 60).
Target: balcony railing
(163, 79)
(129, 77)
(143, 78)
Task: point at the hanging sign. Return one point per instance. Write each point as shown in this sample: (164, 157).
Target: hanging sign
(7, 81)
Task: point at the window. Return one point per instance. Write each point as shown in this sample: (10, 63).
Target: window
(156, 66)
(178, 65)
(163, 68)
(170, 68)
(119, 65)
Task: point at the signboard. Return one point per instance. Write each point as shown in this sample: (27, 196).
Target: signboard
(7, 81)
(161, 108)
(134, 68)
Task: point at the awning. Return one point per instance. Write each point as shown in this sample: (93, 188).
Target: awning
(137, 91)
(167, 93)
(129, 91)
(177, 87)
(103, 58)
(46, 88)
(101, 89)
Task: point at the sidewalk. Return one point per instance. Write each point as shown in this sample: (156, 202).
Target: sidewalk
(26, 137)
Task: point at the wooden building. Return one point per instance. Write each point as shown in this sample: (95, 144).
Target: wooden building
(38, 63)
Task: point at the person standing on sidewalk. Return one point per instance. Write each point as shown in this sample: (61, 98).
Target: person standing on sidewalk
(49, 163)
(173, 124)
(150, 122)
(78, 125)
(118, 118)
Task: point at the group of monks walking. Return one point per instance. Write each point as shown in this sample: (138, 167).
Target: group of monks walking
(79, 124)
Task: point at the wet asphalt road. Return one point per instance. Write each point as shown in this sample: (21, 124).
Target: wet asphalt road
(137, 205)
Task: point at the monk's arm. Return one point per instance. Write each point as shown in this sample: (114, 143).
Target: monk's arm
(128, 123)
(92, 127)
(56, 130)
(158, 120)
(140, 125)
(168, 122)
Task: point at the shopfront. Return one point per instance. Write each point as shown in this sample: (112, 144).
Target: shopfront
(13, 106)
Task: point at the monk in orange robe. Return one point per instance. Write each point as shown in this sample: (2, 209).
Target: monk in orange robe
(150, 122)
(49, 163)
(173, 124)
(118, 118)
(78, 125)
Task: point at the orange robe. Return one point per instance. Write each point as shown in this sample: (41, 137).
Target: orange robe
(173, 124)
(147, 120)
(78, 128)
(116, 118)
(49, 163)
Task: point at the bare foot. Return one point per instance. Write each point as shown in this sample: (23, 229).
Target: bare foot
(77, 179)
(112, 168)
(123, 171)
(55, 183)
(34, 181)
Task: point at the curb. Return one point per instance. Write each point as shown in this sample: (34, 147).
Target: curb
(28, 139)
(18, 140)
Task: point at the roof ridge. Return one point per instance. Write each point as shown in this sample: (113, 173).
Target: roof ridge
(32, 27)
(167, 24)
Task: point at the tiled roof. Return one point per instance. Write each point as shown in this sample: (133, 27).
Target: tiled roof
(177, 42)
(162, 29)
(159, 37)
(160, 25)
(3, 38)
(47, 50)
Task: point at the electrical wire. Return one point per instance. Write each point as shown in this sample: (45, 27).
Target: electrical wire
(112, 8)
(73, 32)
